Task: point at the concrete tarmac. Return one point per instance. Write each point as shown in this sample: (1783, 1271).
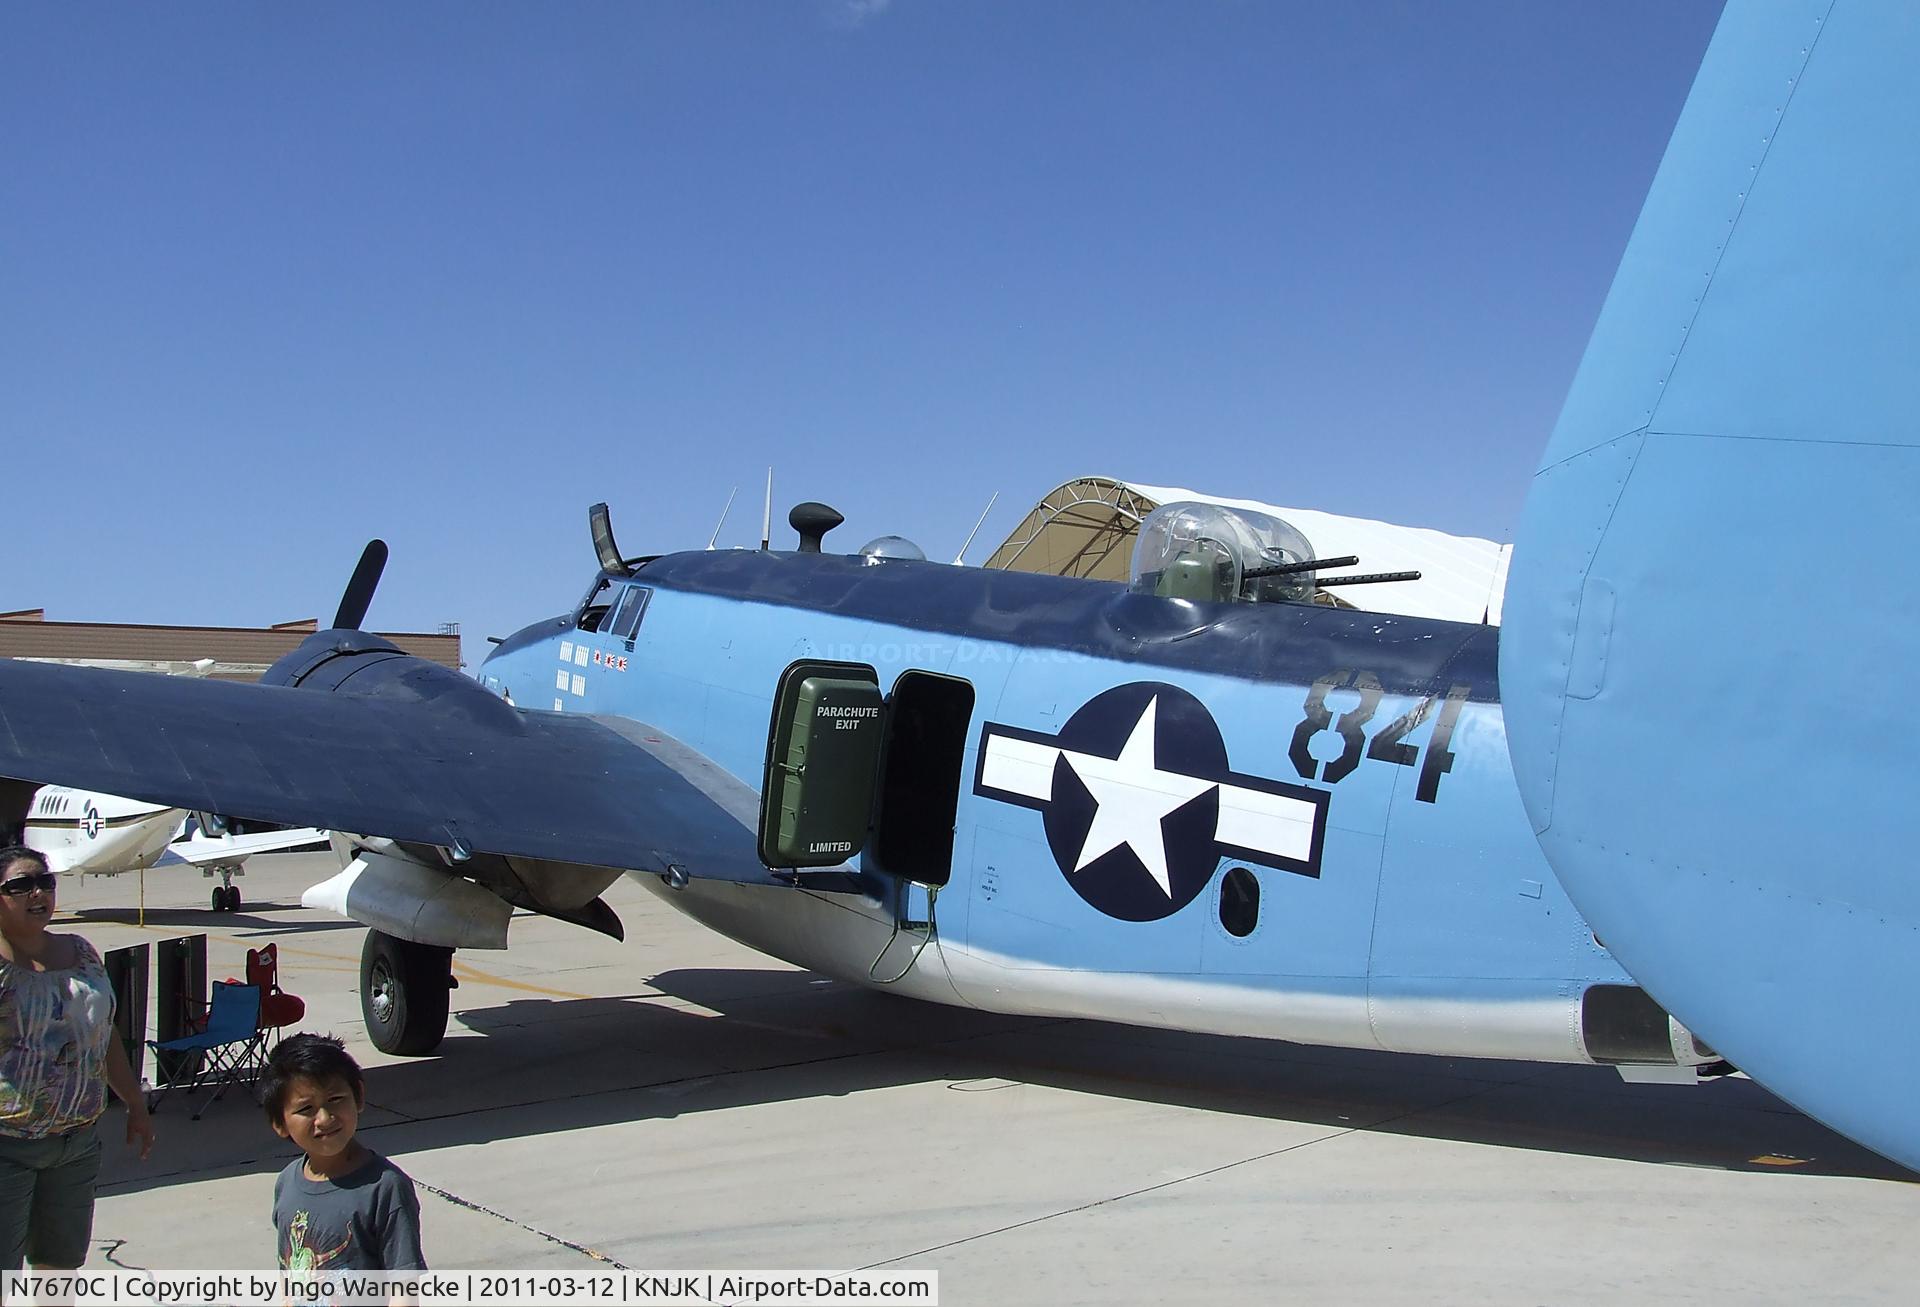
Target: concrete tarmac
(678, 1101)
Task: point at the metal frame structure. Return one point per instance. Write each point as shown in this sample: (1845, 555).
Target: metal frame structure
(1082, 529)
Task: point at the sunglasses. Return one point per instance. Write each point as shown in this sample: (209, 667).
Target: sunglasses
(27, 884)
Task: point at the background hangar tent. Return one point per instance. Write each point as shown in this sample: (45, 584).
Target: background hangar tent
(1086, 527)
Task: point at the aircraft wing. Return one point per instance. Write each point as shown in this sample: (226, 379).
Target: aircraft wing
(439, 762)
(200, 851)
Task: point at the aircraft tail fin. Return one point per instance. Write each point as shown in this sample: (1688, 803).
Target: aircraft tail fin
(1711, 614)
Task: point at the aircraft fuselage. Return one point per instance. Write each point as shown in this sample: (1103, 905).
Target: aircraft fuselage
(1274, 820)
(99, 834)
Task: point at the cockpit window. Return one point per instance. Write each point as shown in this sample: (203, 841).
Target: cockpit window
(593, 609)
(633, 606)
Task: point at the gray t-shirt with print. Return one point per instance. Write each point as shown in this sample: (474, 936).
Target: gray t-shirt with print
(367, 1220)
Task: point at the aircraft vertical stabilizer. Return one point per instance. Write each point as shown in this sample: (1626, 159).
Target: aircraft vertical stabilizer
(1712, 613)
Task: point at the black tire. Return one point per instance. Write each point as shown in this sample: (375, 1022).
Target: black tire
(233, 898)
(219, 899)
(403, 993)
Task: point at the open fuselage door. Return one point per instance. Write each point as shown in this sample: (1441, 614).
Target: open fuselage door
(852, 773)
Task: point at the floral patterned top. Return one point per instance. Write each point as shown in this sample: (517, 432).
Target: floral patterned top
(54, 1027)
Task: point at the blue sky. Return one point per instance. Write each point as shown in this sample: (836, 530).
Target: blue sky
(276, 278)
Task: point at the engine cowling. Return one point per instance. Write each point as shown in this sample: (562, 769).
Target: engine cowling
(354, 662)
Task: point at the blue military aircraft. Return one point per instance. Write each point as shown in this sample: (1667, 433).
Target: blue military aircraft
(1195, 801)
(1202, 800)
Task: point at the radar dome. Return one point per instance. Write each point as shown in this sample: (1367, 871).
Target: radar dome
(881, 549)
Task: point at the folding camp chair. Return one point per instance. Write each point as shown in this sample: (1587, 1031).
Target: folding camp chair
(278, 1009)
(232, 1047)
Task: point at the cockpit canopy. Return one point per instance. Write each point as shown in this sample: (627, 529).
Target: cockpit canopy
(1201, 551)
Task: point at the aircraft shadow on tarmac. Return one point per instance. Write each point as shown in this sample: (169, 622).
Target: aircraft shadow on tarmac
(713, 1039)
(230, 923)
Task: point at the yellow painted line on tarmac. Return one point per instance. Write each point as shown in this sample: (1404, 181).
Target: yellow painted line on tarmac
(175, 932)
(468, 972)
(286, 948)
(464, 970)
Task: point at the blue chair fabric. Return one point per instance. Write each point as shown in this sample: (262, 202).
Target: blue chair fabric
(232, 1047)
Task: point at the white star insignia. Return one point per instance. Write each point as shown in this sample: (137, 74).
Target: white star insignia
(1132, 796)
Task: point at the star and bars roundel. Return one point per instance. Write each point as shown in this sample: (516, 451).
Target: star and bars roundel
(1140, 805)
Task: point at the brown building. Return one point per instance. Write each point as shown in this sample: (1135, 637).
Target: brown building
(236, 653)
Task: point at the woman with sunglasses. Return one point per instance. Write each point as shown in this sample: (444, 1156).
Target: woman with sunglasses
(58, 1056)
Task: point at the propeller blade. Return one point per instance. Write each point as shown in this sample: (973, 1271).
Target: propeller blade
(366, 576)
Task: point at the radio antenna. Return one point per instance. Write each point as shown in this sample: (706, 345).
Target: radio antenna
(962, 555)
(723, 517)
(766, 515)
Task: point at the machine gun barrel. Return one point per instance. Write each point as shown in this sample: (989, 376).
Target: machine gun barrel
(1289, 569)
(1368, 578)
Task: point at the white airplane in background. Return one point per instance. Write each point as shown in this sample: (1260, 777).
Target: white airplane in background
(97, 834)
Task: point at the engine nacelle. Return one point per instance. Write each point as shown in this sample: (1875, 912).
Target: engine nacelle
(413, 900)
(354, 662)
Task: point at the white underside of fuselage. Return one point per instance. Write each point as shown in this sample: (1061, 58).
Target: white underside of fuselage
(1504, 1021)
(838, 935)
(855, 940)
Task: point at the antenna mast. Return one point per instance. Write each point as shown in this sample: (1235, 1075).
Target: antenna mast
(766, 515)
(723, 517)
(961, 556)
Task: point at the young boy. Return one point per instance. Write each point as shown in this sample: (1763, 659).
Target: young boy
(341, 1206)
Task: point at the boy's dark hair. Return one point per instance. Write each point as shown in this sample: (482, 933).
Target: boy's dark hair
(319, 1058)
(21, 853)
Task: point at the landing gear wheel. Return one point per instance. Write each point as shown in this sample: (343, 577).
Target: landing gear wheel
(403, 993)
(219, 899)
(233, 898)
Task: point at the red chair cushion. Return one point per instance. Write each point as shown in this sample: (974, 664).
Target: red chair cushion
(281, 1010)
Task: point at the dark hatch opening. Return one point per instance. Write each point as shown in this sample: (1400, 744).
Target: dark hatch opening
(926, 744)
